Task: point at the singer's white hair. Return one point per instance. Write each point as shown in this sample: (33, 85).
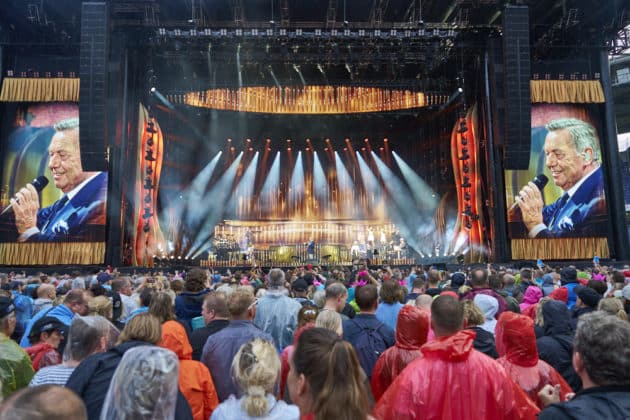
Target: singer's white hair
(583, 134)
(67, 124)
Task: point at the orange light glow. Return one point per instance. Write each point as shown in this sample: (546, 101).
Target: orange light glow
(308, 99)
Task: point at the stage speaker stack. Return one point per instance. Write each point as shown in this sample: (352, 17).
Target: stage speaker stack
(516, 78)
(93, 93)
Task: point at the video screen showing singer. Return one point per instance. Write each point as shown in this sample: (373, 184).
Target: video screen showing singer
(79, 215)
(573, 158)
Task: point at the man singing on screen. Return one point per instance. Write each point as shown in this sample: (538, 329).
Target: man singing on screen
(573, 158)
(79, 215)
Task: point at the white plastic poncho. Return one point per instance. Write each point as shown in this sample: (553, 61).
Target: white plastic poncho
(144, 386)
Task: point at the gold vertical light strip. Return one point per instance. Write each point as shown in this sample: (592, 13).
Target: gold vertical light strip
(308, 99)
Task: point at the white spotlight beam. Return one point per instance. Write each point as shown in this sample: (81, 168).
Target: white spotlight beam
(425, 197)
(212, 201)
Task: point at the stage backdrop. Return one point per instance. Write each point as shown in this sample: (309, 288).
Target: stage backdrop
(380, 185)
(574, 213)
(71, 220)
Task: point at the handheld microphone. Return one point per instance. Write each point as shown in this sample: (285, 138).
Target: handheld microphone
(540, 181)
(39, 183)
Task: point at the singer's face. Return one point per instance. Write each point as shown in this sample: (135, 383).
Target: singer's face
(567, 166)
(64, 160)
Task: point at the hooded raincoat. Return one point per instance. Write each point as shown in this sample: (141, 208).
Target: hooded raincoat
(454, 381)
(489, 306)
(413, 328)
(144, 386)
(556, 346)
(532, 295)
(195, 381)
(15, 367)
(516, 344)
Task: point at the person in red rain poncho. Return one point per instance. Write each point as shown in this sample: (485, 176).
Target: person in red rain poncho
(452, 380)
(516, 345)
(411, 334)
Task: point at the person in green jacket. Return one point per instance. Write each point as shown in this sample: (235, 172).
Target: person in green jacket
(15, 365)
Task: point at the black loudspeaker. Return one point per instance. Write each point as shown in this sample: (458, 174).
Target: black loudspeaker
(516, 79)
(93, 93)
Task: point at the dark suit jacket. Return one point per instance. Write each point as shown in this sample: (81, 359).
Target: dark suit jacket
(82, 219)
(584, 214)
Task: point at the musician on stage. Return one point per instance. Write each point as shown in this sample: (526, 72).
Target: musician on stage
(310, 248)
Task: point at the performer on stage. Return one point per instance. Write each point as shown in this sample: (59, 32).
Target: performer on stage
(370, 237)
(310, 248)
(354, 249)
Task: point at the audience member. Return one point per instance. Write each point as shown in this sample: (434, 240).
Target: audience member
(369, 337)
(587, 301)
(101, 306)
(91, 379)
(568, 279)
(195, 381)
(433, 283)
(547, 284)
(602, 360)
(216, 317)
(530, 298)
(473, 319)
(489, 307)
(480, 286)
(17, 368)
(417, 288)
(286, 356)
(256, 368)
(516, 345)
(556, 346)
(87, 335)
(75, 302)
(221, 347)
(330, 320)
(46, 335)
(188, 303)
(495, 282)
(144, 386)
(46, 402)
(411, 334)
(122, 286)
(388, 308)
(325, 379)
(613, 306)
(300, 291)
(336, 298)
(46, 294)
(276, 313)
(435, 382)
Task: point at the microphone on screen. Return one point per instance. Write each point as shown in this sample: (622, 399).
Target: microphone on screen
(39, 183)
(540, 181)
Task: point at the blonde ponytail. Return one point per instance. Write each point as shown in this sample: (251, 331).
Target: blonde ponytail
(256, 368)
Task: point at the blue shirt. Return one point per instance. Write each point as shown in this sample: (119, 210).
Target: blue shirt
(220, 349)
(387, 313)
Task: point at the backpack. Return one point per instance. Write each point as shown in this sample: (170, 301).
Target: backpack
(369, 346)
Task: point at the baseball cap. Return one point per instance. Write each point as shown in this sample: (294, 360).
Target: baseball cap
(46, 324)
(103, 277)
(299, 285)
(457, 280)
(6, 306)
(589, 296)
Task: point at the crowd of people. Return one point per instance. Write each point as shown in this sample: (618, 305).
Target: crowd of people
(317, 343)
